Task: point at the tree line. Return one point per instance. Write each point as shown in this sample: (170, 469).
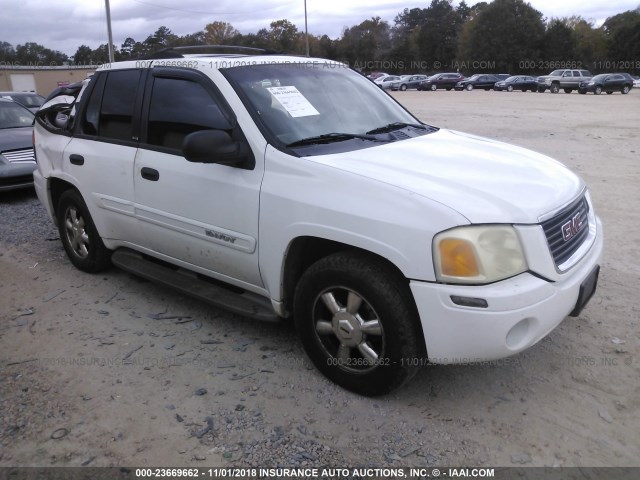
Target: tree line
(504, 36)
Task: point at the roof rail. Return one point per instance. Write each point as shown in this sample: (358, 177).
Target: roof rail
(179, 52)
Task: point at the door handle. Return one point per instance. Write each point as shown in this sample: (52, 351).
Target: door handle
(150, 174)
(76, 159)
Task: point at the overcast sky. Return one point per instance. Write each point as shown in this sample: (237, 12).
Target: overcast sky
(65, 25)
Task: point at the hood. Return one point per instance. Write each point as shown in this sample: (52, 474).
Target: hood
(484, 180)
(15, 138)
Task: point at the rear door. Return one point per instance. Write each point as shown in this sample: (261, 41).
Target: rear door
(203, 214)
(99, 159)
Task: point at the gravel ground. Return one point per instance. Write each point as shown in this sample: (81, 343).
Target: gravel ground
(108, 369)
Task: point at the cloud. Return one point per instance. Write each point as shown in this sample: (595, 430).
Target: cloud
(66, 25)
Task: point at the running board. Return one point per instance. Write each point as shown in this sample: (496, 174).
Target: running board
(247, 304)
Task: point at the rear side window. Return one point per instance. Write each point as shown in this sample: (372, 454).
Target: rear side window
(180, 107)
(110, 109)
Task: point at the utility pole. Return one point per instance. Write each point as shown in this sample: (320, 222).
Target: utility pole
(306, 29)
(110, 44)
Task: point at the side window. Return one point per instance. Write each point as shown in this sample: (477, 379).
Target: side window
(180, 107)
(109, 112)
(118, 102)
(576, 73)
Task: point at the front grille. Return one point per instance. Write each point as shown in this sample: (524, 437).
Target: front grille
(20, 156)
(567, 230)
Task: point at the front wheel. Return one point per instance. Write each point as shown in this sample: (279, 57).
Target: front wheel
(434, 87)
(626, 89)
(510, 88)
(358, 323)
(554, 88)
(598, 90)
(79, 235)
(403, 88)
(469, 87)
(568, 90)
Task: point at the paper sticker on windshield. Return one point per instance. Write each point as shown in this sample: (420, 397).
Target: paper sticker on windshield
(293, 101)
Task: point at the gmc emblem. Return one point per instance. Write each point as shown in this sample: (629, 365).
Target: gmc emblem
(572, 227)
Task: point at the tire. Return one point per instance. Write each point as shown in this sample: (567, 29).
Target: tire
(434, 87)
(334, 299)
(626, 89)
(510, 88)
(554, 88)
(541, 89)
(568, 90)
(469, 87)
(598, 90)
(79, 235)
(449, 89)
(403, 87)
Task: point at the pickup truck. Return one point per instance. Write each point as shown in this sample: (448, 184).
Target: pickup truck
(289, 187)
(567, 80)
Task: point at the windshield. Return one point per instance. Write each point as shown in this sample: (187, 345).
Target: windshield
(599, 78)
(306, 100)
(14, 116)
(556, 73)
(511, 79)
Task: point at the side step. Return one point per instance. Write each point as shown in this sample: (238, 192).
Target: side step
(247, 304)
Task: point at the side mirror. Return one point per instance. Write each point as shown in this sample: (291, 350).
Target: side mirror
(217, 146)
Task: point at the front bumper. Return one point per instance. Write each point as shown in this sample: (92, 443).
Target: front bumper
(521, 311)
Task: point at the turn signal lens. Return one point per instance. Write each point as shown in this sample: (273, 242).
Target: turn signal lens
(458, 258)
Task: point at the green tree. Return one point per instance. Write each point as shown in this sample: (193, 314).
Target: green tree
(503, 33)
(83, 55)
(7, 52)
(35, 54)
(559, 41)
(367, 45)
(219, 33)
(438, 36)
(283, 35)
(622, 33)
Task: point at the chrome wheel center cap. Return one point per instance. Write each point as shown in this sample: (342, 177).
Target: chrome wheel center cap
(347, 329)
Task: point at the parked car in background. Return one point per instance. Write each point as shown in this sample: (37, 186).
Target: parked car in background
(607, 82)
(485, 82)
(409, 82)
(568, 80)
(517, 82)
(636, 81)
(440, 80)
(387, 81)
(30, 100)
(17, 161)
(375, 75)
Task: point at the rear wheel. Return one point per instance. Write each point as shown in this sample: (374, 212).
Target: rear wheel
(568, 90)
(79, 236)
(358, 323)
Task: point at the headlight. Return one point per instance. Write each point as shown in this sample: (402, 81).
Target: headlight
(478, 254)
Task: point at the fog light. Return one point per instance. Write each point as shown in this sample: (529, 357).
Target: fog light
(518, 335)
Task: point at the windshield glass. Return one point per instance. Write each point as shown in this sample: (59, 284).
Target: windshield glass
(599, 78)
(310, 99)
(13, 116)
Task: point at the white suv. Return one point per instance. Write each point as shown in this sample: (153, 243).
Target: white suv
(280, 186)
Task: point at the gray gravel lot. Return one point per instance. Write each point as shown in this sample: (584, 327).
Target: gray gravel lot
(108, 369)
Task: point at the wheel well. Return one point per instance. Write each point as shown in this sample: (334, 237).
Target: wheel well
(305, 251)
(56, 188)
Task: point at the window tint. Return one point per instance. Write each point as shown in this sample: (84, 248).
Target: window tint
(118, 102)
(180, 107)
(576, 74)
(92, 113)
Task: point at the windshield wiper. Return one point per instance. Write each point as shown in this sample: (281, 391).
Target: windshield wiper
(330, 138)
(395, 126)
